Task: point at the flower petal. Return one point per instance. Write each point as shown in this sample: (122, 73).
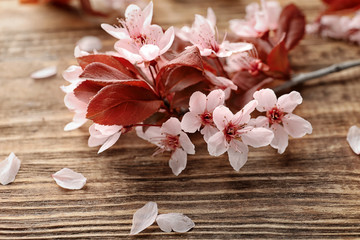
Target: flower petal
(72, 73)
(119, 33)
(260, 121)
(9, 169)
(178, 161)
(186, 143)
(288, 102)
(222, 116)
(190, 122)
(258, 137)
(208, 131)
(296, 126)
(171, 126)
(211, 17)
(89, 43)
(147, 14)
(197, 103)
(238, 154)
(281, 138)
(67, 178)
(149, 52)
(243, 116)
(154, 135)
(44, 73)
(217, 144)
(74, 124)
(144, 217)
(266, 99)
(109, 142)
(353, 138)
(214, 99)
(167, 40)
(177, 222)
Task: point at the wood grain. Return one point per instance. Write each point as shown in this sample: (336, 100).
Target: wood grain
(312, 191)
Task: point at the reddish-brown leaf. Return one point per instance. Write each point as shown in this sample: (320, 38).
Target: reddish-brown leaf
(122, 104)
(89, 88)
(278, 60)
(291, 22)
(175, 71)
(103, 72)
(120, 64)
(244, 80)
(344, 6)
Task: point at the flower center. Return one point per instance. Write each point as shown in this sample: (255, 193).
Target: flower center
(274, 115)
(171, 142)
(206, 118)
(230, 131)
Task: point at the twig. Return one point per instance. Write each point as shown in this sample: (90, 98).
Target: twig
(303, 77)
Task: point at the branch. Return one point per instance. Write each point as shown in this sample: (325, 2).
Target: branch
(303, 77)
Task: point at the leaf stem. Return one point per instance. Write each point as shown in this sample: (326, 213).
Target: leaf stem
(303, 77)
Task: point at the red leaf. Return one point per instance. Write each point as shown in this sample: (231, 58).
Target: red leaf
(120, 64)
(101, 71)
(244, 80)
(122, 104)
(175, 72)
(89, 88)
(291, 22)
(278, 60)
(341, 5)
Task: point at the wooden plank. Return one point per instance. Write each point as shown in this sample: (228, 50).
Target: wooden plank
(310, 192)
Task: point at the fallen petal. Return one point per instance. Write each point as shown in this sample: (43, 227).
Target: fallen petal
(89, 43)
(177, 222)
(67, 178)
(44, 73)
(9, 168)
(144, 217)
(353, 138)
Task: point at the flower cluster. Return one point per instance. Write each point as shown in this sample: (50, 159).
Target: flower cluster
(168, 83)
(340, 21)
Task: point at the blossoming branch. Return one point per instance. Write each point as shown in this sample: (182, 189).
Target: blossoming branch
(167, 83)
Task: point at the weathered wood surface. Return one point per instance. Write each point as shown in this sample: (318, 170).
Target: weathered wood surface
(312, 191)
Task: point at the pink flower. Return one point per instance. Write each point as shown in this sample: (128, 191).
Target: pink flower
(234, 134)
(185, 32)
(258, 19)
(104, 135)
(169, 137)
(71, 101)
(139, 41)
(334, 26)
(203, 35)
(201, 113)
(279, 117)
(246, 61)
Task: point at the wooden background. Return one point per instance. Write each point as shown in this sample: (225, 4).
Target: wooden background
(312, 191)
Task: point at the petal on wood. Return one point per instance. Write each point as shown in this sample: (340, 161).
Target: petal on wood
(45, 73)
(67, 178)
(144, 217)
(89, 43)
(353, 138)
(9, 168)
(177, 222)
